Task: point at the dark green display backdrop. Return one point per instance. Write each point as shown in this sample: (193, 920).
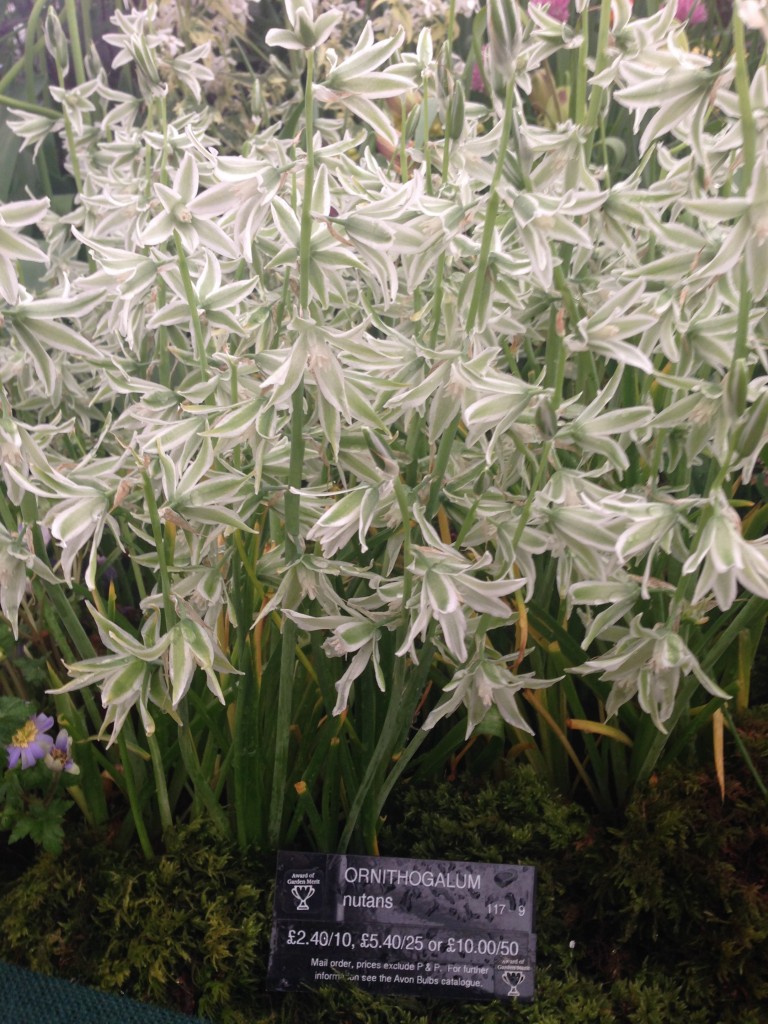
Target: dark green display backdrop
(27, 998)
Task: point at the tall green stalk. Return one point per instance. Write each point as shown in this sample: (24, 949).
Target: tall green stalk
(748, 127)
(597, 92)
(70, 11)
(295, 473)
(191, 296)
(492, 210)
(748, 135)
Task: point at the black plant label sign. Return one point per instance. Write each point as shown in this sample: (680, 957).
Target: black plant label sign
(445, 929)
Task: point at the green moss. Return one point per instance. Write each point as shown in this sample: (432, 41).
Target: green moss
(655, 1000)
(515, 821)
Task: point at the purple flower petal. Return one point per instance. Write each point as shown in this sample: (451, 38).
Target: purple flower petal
(692, 11)
(558, 9)
(43, 722)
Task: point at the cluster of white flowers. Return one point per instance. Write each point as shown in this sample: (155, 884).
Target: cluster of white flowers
(519, 383)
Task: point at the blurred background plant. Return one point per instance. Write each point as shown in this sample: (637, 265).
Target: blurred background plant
(380, 400)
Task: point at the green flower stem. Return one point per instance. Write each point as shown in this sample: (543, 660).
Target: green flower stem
(398, 705)
(425, 136)
(748, 133)
(224, 771)
(169, 609)
(556, 345)
(20, 64)
(441, 464)
(412, 748)
(601, 60)
(191, 297)
(582, 69)
(248, 797)
(295, 474)
(32, 47)
(382, 753)
(162, 107)
(70, 12)
(245, 561)
(161, 788)
(492, 211)
(746, 114)
(534, 490)
(405, 515)
(741, 346)
(237, 455)
(556, 361)
(450, 27)
(31, 108)
(309, 810)
(437, 304)
(85, 14)
(290, 629)
(594, 755)
(133, 798)
(305, 243)
(563, 743)
(76, 174)
(403, 142)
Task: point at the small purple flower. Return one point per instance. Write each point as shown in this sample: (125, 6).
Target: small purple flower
(59, 757)
(560, 10)
(30, 743)
(692, 11)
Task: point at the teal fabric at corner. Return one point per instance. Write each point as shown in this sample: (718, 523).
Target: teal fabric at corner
(28, 998)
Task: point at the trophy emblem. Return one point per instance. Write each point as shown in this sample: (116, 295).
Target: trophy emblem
(303, 894)
(513, 979)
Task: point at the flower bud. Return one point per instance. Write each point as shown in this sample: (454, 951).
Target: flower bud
(455, 119)
(504, 38)
(736, 381)
(56, 42)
